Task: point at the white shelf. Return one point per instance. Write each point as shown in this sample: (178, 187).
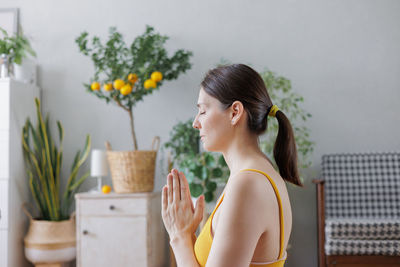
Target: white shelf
(16, 104)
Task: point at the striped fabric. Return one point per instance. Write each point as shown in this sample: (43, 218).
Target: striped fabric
(362, 229)
(362, 247)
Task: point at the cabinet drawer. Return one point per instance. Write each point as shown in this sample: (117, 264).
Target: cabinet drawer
(3, 204)
(113, 206)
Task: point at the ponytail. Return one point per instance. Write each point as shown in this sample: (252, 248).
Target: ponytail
(285, 152)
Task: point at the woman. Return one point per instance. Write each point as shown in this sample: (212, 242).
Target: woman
(252, 221)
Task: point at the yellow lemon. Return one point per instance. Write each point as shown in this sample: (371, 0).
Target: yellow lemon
(108, 87)
(106, 189)
(156, 76)
(132, 77)
(118, 84)
(95, 86)
(126, 89)
(150, 84)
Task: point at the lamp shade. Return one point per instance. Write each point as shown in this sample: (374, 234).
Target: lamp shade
(98, 164)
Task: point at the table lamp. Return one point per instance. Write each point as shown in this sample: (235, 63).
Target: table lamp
(98, 167)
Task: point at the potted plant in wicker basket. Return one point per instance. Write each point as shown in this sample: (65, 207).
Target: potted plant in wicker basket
(124, 76)
(51, 235)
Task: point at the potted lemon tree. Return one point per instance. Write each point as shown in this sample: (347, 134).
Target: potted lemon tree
(51, 234)
(124, 75)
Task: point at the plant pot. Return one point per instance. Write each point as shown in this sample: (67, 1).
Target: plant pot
(50, 241)
(133, 171)
(26, 72)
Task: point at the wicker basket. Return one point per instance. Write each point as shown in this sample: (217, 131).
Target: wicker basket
(50, 241)
(133, 171)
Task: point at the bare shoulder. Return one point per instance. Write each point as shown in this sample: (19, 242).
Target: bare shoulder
(248, 211)
(240, 222)
(250, 191)
(250, 186)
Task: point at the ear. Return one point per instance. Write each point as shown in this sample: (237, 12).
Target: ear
(237, 112)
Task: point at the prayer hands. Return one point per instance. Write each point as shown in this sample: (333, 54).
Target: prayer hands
(179, 216)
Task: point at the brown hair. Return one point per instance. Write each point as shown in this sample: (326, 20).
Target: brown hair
(239, 82)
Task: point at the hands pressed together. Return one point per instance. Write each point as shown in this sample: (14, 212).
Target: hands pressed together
(180, 218)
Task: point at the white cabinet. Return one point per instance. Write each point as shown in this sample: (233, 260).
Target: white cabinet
(120, 230)
(16, 104)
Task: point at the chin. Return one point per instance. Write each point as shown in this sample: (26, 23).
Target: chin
(209, 147)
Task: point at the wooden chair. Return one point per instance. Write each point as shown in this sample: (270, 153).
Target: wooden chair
(358, 204)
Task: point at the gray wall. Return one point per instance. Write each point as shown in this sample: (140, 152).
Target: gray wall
(342, 56)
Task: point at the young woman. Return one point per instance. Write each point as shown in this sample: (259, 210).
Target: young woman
(252, 221)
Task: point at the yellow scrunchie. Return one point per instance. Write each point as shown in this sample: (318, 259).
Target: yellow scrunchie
(273, 111)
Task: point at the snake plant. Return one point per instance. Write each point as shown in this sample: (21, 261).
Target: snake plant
(43, 160)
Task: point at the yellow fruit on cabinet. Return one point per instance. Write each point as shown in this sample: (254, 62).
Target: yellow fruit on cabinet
(106, 189)
(118, 84)
(156, 76)
(132, 77)
(149, 84)
(108, 87)
(95, 86)
(126, 89)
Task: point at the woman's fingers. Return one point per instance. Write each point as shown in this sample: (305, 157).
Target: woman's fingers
(170, 189)
(164, 198)
(185, 191)
(176, 186)
(184, 186)
(199, 210)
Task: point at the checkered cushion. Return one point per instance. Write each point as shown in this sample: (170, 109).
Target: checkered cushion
(362, 185)
(362, 229)
(362, 247)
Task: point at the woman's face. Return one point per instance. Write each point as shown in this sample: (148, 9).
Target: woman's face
(213, 122)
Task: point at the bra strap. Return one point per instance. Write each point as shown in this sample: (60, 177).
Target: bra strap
(219, 203)
(282, 240)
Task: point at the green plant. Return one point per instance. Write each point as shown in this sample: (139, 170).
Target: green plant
(43, 160)
(140, 68)
(204, 170)
(282, 95)
(16, 47)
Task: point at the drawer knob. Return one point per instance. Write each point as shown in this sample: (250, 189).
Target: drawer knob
(85, 232)
(112, 207)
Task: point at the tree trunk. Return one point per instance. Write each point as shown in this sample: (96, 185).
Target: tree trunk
(135, 146)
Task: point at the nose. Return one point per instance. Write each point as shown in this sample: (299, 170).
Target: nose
(196, 123)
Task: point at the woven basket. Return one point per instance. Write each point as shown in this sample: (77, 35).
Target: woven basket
(133, 171)
(50, 241)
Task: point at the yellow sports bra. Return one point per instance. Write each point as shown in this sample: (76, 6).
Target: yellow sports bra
(204, 241)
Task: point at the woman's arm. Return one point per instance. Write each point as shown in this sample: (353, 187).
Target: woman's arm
(183, 251)
(241, 221)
